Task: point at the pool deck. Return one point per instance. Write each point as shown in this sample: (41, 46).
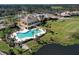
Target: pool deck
(27, 38)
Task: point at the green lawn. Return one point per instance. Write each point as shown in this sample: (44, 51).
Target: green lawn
(64, 30)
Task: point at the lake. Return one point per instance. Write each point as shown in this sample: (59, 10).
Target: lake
(56, 49)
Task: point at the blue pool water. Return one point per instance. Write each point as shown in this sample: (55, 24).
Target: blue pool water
(30, 33)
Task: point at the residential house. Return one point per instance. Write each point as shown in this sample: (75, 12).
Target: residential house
(28, 21)
(75, 13)
(65, 14)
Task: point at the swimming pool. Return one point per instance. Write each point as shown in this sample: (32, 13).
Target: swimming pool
(27, 34)
(30, 33)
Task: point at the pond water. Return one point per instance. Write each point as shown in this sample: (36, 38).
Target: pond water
(56, 49)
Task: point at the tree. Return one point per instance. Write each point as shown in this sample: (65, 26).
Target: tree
(11, 42)
(11, 52)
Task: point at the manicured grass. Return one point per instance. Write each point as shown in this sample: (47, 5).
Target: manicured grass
(64, 30)
(4, 46)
